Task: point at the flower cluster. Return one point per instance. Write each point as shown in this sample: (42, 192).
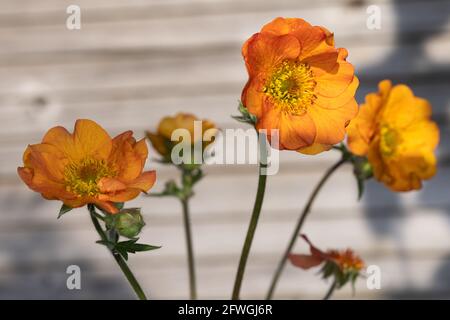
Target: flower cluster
(301, 90)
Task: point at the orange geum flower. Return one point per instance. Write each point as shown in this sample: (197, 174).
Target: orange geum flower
(161, 140)
(87, 167)
(393, 129)
(343, 265)
(300, 84)
(344, 259)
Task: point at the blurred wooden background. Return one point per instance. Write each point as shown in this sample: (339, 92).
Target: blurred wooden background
(135, 61)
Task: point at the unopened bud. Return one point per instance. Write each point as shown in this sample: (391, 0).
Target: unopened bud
(129, 222)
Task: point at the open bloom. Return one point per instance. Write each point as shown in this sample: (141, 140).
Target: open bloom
(162, 139)
(344, 265)
(87, 166)
(300, 84)
(393, 129)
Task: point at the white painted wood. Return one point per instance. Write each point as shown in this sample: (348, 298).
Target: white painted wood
(135, 61)
(213, 29)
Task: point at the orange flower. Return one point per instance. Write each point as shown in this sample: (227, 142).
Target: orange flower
(393, 129)
(161, 140)
(343, 266)
(87, 166)
(300, 84)
(346, 260)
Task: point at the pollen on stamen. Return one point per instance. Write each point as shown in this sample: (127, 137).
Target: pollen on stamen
(291, 87)
(81, 178)
(390, 139)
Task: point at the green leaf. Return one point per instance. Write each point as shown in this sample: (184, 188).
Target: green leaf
(362, 171)
(129, 246)
(110, 245)
(360, 183)
(64, 209)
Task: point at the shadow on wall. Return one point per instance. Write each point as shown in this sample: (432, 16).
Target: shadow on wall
(434, 192)
(46, 278)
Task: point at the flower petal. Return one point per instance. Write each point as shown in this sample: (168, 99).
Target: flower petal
(108, 185)
(330, 123)
(144, 182)
(265, 51)
(281, 26)
(315, 148)
(128, 157)
(305, 261)
(91, 140)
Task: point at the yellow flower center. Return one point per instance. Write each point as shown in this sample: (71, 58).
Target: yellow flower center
(82, 177)
(389, 141)
(292, 87)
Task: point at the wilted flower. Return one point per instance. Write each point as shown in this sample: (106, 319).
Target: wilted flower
(161, 140)
(300, 84)
(87, 166)
(393, 129)
(343, 265)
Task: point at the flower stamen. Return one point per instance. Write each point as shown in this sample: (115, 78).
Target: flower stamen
(82, 177)
(389, 140)
(292, 87)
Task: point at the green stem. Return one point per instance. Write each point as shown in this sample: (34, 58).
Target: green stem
(251, 231)
(330, 291)
(306, 210)
(120, 261)
(190, 251)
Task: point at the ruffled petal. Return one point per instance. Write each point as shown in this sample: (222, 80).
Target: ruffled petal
(91, 140)
(305, 261)
(266, 51)
(281, 26)
(296, 131)
(144, 182)
(335, 82)
(330, 123)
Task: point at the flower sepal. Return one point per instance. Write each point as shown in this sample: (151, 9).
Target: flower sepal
(340, 276)
(362, 169)
(190, 176)
(64, 209)
(346, 154)
(245, 116)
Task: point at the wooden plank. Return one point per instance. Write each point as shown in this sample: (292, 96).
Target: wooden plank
(213, 29)
(11, 157)
(215, 283)
(286, 193)
(167, 279)
(423, 236)
(200, 70)
(28, 11)
(42, 96)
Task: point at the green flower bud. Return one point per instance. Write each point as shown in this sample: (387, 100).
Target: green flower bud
(129, 222)
(363, 168)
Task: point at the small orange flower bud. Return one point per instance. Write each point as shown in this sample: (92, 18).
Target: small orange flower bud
(161, 140)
